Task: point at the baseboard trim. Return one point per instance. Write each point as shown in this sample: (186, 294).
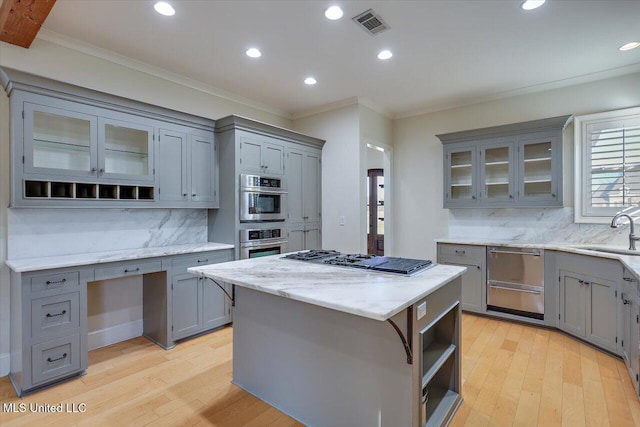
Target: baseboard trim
(114, 334)
(5, 364)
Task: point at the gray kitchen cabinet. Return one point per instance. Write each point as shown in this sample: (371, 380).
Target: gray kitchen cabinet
(461, 176)
(474, 279)
(629, 303)
(304, 237)
(516, 165)
(198, 304)
(73, 147)
(588, 299)
(262, 155)
(187, 169)
(49, 326)
(304, 185)
(245, 146)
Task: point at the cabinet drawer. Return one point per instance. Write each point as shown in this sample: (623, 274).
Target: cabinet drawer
(180, 265)
(460, 253)
(123, 270)
(55, 314)
(55, 281)
(56, 358)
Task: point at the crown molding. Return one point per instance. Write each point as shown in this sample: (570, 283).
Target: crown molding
(573, 81)
(134, 64)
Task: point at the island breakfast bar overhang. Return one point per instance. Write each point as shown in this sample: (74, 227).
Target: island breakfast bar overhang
(317, 341)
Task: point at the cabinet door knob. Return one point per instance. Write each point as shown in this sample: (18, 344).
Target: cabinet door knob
(93, 169)
(511, 196)
(193, 195)
(184, 194)
(553, 194)
(473, 197)
(101, 170)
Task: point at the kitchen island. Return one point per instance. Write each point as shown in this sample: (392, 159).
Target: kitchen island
(335, 346)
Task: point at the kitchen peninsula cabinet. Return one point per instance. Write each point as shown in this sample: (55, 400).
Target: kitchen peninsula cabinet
(517, 165)
(73, 147)
(630, 327)
(330, 332)
(588, 304)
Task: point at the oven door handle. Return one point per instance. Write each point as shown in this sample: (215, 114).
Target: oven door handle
(262, 190)
(504, 288)
(496, 251)
(262, 245)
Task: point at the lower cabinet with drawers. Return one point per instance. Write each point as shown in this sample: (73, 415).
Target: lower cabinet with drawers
(49, 311)
(473, 281)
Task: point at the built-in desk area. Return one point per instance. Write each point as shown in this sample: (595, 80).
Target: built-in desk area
(49, 304)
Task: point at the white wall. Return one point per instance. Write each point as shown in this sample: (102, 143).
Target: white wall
(107, 73)
(418, 188)
(341, 175)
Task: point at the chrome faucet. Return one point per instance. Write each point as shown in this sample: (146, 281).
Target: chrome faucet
(632, 236)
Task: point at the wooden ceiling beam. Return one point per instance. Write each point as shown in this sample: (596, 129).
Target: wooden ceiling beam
(20, 20)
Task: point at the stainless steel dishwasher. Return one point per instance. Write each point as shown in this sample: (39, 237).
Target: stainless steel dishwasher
(515, 281)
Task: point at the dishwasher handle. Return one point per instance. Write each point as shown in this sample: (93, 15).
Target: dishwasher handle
(500, 251)
(495, 285)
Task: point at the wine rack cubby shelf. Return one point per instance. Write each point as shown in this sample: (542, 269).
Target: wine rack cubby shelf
(86, 191)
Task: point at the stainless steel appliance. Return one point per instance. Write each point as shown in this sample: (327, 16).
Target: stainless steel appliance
(404, 266)
(262, 198)
(515, 281)
(256, 243)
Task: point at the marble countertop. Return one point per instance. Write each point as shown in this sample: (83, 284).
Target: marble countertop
(44, 263)
(374, 295)
(630, 259)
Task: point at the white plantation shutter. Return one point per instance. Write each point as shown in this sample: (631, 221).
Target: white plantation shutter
(614, 164)
(609, 163)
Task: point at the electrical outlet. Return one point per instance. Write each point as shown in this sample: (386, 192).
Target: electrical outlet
(341, 220)
(422, 310)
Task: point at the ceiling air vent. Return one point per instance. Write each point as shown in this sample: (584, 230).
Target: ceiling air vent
(371, 22)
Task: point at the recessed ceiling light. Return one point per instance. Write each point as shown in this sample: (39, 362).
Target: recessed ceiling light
(629, 46)
(164, 8)
(385, 54)
(532, 4)
(310, 81)
(253, 53)
(333, 13)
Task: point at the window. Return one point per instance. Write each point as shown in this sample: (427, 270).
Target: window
(607, 156)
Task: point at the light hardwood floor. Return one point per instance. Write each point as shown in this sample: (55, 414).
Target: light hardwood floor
(513, 375)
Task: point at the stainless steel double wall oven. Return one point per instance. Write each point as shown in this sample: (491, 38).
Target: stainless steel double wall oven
(263, 211)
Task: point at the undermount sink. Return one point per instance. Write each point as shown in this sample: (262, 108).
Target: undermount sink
(605, 249)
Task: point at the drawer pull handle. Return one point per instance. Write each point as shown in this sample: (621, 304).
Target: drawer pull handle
(132, 271)
(55, 282)
(629, 279)
(56, 315)
(204, 260)
(458, 251)
(64, 356)
(625, 301)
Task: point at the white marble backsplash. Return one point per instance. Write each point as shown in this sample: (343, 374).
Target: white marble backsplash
(52, 232)
(548, 225)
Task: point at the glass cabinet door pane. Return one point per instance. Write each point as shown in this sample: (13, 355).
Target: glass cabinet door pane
(59, 141)
(537, 169)
(497, 172)
(125, 150)
(461, 175)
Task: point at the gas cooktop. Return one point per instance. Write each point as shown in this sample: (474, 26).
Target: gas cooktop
(404, 266)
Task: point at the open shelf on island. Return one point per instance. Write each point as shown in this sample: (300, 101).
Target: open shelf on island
(36, 189)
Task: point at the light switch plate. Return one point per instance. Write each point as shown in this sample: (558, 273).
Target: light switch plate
(422, 310)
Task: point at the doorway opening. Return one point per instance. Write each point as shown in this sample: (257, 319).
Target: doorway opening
(375, 211)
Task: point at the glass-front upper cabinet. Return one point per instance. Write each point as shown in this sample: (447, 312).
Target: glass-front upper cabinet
(59, 142)
(497, 172)
(537, 179)
(460, 167)
(125, 150)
